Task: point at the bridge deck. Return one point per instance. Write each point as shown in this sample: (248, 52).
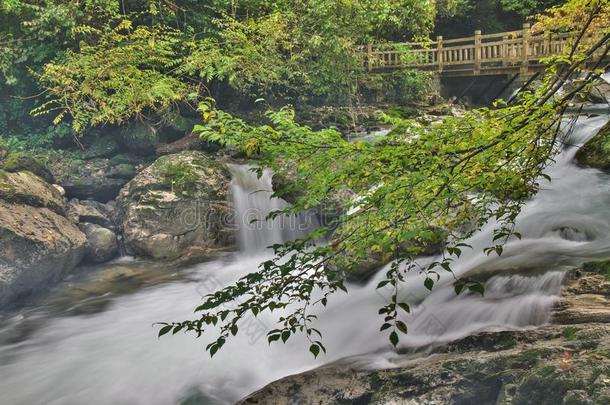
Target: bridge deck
(492, 54)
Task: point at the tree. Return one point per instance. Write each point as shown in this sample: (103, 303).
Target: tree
(457, 176)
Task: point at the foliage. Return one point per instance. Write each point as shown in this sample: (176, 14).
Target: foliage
(117, 75)
(489, 16)
(457, 175)
(131, 63)
(571, 15)
(405, 87)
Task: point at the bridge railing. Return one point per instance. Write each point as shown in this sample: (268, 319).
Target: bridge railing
(512, 49)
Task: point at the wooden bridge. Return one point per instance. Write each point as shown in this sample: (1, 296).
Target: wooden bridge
(513, 52)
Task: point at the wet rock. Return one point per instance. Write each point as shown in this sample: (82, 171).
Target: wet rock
(544, 371)
(552, 365)
(37, 247)
(586, 299)
(102, 243)
(360, 269)
(97, 179)
(27, 188)
(90, 211)
(18, 162)
(176, 208)
(103, 147)
(596, 152)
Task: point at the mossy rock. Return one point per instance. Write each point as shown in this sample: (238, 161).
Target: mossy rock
(176, 208)
(596, 152)
(602, 268)
(98, 179)
(26, 188)
(105, 146)
(21, 161)
(140, 138)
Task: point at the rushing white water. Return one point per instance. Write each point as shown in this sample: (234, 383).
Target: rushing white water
(97, 346)
(253, 201)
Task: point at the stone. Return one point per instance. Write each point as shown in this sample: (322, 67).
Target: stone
(37, 247)
(102, 147)
(176, 208)
(98, 179)
(90, 211)
(17, 162)
(586, 297)
(540, 369)
(102, 244)
(596, 152)
(140, 138)
(552, 365)
(27, 188)
(59, 189)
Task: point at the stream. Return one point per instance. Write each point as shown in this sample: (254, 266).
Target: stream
(91, 339)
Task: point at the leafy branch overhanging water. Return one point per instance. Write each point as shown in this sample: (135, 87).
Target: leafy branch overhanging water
(454, 177)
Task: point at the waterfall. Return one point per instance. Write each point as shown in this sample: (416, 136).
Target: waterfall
(253, 202)
(109, 354)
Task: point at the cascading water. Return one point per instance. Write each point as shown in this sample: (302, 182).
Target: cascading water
(253, 201)
(91, 341)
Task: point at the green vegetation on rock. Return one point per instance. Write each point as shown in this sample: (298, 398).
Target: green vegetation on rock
(596, 152)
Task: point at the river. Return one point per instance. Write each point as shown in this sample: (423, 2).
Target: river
(91, 339)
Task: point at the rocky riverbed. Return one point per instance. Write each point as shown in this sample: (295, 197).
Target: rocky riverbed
(567, 362)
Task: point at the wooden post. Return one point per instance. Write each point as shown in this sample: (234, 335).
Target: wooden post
(477, 52)
(369, 57)
(525, 49)
(504, 50)
(439, 53)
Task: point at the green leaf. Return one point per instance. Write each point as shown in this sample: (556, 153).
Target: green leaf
(401, 326)
(394, 339)
(429, 283)
(164, 330)
(314, 349)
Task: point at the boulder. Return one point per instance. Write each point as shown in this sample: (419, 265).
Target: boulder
(596, 152)
(102, 244)
(17, 162)
(175, 208)
(37, 247)
(140, 138)
(360, 268)
(90, 211)
(98, 179)
(29, 189)
(102, 147)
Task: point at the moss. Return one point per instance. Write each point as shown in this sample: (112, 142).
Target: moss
(602, 268)
(596, 152)
(545, 385)
(22, 161)
(180, 176)
(569, 333)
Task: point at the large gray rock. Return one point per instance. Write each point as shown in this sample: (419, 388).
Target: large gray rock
(27, 188)
(102, 243)
(99, 178)
(37, 247)
(21, 161)
(90, 211)
(176, 208)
